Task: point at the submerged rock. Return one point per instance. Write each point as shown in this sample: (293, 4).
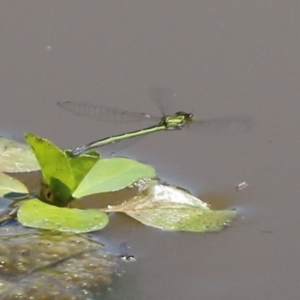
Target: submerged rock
(42, 265)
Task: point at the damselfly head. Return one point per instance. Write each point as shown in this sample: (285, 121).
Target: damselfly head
(188, 117)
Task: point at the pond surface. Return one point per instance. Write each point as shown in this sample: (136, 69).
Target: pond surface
(222, 58)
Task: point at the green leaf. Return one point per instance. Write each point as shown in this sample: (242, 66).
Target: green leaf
(81, 165)
(61, 172)
(53, 161)
(112, 174)
(11, 185)
(16, 157)
(171, 208)
(37, 214)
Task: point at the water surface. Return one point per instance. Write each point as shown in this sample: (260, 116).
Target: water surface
(222, 58)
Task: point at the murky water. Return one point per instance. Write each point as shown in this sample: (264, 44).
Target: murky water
(222, 58)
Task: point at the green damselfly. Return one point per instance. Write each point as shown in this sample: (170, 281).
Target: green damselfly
(170, 122)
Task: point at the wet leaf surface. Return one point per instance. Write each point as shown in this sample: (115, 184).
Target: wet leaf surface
(16, 157)
(171, 208)
(11, 185)
(37, 214)
(112, 174)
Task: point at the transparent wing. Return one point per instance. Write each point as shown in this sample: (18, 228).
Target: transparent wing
(226, 125)
(165, 99)
(98, 112)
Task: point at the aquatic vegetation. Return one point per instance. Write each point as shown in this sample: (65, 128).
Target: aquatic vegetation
(52, 265)
(66, 178)
(168, 207)
(42, 256)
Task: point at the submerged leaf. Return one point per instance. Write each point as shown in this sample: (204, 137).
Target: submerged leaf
(112, 174)
(11, 185)
(16, 157)
(34, 213)
(170, 208)
(52, 265)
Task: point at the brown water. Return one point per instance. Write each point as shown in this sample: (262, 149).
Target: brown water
(222, 58)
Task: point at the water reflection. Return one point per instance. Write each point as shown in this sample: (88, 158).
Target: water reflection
(124, 253)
